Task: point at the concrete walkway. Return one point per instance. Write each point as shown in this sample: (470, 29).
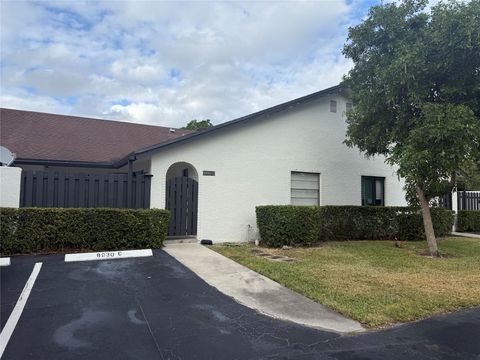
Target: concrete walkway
(257, 291)
(476, 236)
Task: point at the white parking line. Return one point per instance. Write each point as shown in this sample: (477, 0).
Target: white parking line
(5, 261)
(12, 321)
(108, 255)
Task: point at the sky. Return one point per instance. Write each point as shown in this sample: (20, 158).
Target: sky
(166, 63)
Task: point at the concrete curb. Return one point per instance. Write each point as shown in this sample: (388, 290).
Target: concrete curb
(108, 255)
(466, 235)
(257, 291)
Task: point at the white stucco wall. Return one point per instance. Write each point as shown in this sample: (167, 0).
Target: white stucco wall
(253, 163)
(10, 178)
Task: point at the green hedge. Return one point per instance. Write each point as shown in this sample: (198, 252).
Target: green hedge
(468, 220)
(30, 230)
(358, 222)
(305, 225)
(410, 225)
(288, 225)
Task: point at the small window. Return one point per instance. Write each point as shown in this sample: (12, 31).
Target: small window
(349, 106)
(333, 106)
(305, 188)
(373, 191)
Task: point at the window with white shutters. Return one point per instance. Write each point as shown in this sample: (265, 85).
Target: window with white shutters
(305, 188)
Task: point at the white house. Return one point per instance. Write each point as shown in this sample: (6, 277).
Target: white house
(292, 153)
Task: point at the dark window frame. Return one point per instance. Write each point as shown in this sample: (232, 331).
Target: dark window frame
(374, 180)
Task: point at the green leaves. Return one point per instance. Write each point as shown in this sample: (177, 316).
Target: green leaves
(28, 230)
(306, 225)
(198, 125)
(445, 138)
(468, 221)
(416, 88)
(288, 225)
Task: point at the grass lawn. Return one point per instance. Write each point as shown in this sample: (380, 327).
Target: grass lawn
(373, 281)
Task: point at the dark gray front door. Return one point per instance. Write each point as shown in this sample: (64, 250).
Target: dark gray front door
(181, 200)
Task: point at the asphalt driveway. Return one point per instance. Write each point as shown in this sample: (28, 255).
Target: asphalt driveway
(155, 308)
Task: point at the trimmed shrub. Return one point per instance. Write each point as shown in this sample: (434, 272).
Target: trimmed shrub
(305, 225)
(288, 225)
(30, 230)
(359, 222)
(468, 220)
(8, 225)
(410, 225)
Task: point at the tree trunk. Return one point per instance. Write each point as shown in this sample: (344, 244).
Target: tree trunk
(427, 223)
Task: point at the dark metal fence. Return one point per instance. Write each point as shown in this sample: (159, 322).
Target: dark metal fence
(82, 190)
(445, 201)
(468, 200)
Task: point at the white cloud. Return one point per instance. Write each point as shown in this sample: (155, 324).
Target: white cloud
(23, 100)
(166, 63)
(135, 71)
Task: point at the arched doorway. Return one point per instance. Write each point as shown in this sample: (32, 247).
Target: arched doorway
(181, 199)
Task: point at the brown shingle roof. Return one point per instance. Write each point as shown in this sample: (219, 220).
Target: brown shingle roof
(41, 136)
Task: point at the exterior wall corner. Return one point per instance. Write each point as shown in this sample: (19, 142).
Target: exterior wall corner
(10, 181)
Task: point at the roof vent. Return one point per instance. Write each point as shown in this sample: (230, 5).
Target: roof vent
(333, 106)
(172, 130)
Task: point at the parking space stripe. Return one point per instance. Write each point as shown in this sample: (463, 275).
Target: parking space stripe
(12, 321)
(108, 255)
(5, 261)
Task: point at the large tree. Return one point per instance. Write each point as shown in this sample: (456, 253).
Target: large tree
(469, 178)
(198, 125)
(415, 85)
